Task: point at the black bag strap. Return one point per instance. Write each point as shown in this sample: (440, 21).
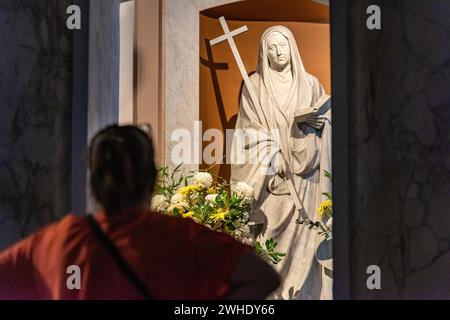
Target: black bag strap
(118, 258)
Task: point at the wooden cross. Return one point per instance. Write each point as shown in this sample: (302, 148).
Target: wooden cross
(229, 36)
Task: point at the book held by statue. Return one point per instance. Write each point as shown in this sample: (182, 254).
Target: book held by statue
(319, 108)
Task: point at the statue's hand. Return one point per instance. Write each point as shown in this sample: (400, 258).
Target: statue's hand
(316, 121)
(281, 165)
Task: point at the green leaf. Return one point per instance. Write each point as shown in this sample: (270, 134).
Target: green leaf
(328, 195)
(258, 247)
(175, 171)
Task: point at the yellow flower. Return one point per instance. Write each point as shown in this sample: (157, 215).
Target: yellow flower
(212, 190)
(219, 215)
(325, 207)
(188, 189)
(188, 215)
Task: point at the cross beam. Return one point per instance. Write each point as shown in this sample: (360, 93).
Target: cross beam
(229, 37)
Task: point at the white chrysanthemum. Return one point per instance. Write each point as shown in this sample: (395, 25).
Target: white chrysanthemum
(329, 223)
(194, 196)
(247, 241)
(211, 197)
(176, 198)
(159, 203)
(242, 233)
(203, 179)
(237, 234)
(244, 229)
(243, 191)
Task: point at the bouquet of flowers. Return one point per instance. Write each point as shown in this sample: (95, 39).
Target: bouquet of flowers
(215, 204)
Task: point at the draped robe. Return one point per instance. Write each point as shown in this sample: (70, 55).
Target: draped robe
(307, 153)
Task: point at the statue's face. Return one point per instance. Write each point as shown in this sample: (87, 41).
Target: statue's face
(278, 50)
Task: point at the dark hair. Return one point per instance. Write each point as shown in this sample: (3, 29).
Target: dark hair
(122, 167)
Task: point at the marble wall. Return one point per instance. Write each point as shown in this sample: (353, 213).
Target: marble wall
(35, 122)
(148, 68)
(180, 52)
(103, 74)
(399, 173)
(56, 92)
(104, 58)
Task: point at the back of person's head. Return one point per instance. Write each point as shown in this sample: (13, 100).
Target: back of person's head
(122, 167)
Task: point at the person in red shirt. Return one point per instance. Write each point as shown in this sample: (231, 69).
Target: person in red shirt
(125, 251)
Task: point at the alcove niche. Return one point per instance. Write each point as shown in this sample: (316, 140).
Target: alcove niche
(221, 82)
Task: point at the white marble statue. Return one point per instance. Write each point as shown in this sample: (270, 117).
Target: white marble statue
(303, 152)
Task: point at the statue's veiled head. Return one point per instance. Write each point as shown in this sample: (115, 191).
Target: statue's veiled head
(278, 51)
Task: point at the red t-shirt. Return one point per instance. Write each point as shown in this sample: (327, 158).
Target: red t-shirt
(176, 258)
